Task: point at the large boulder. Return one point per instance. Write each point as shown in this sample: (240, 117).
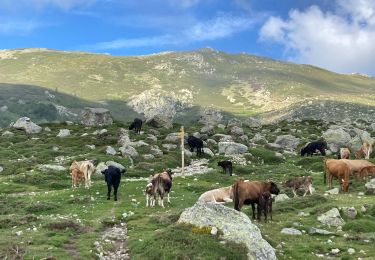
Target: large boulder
(96, 117)
(129, 151)
(252, 122)
(63, 133)
(234, 122)
(235, 227)
(287, 142)
(332, 218)
(173, 138)
(229, 148)
(211, 116)
(24, 123)
(370, 186)
(159, 121)
(237, 131)
(336, 138)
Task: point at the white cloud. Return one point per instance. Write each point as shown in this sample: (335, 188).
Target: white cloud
(18, 27)
(222, 26)
(341, 41)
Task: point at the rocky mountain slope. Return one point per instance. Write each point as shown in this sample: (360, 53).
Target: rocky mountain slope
(170, 82)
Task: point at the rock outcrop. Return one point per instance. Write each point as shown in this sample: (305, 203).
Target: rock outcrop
(96, 117)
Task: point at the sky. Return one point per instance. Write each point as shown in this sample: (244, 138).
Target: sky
(338, 35)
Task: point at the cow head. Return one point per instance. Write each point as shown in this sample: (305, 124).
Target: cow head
(345, 185)
(303, 151)
(274, 189)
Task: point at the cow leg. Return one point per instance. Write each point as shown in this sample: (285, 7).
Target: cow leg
(259, 212)
(294, 192)
(147, 199)
(109, 187)
(162, 200)
(168, 198)
(115, 188)
(310, 189)
(230, 170)
(253, 208)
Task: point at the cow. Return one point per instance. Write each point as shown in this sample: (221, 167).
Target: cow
(112, 176)
(149, 191)
(227, 166)
(86, 167)
(356, 165)
(221, 195)
(265, 204)
(196, 143)
(77, 177)
(366, 171)
(304, 182)
(344, 153)
(136, 125)
(338, 169)
(312, 147)
(162, 184)
(249, 192)
(364, 151)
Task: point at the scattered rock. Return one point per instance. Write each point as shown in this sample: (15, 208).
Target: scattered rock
(96, 117)
(169, 146)
(24, 123)
(7, 134)
(110, 150)
(1, 169)
(90, 146)
(208, 151)
(159, 121)
(235, 226)
(229, 148)
(234, 122)
(351, 251)
(173, 138)
(350, 212)
(334, 191)
(148, 157)
(208, 129)
(287, 142)
(281, 197)
(19, 233)
(51, 167)
(63, 133)
(370, 186)
(336, 138)
(115, 164)
(331, 218)
(237, 131)
(47, 129)
(252, 122)
(314, 230)
(210, 116)
(291, 231)
(129, 151)
(156, 151)
(214, 231)
(335, 251)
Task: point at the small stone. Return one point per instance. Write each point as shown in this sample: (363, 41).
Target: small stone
(361, 193)
(335, 251)
(19, 233)
(334, 191)
(214, 231)
(351, 251)
(291, 231)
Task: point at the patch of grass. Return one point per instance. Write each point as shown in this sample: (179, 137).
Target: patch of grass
(265, 155)
(360, 226)
(40, 206)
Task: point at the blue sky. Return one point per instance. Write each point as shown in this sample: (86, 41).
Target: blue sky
(338, 35)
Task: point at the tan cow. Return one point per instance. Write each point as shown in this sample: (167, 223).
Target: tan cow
(221, 195)
(356, 165)
(77, 177)
(85, 167)
(366, 171)
(338, 169)
(345, 153)
(364, 151)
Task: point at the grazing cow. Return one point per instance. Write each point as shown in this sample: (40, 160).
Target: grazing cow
(149, 191)
(312, 147)
(364, 151)
(249, 192)
(162, 183)
(112, 176)
(136, 125)
(265, 204)
(227, 166)
(304, 182)
(77, 177)
(344, 153)
(196, 143)
(356, 165)
(221, 195)
(86, 167)
(366, 171)
(338, 169)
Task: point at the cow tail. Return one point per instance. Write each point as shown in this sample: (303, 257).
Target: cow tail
(236, 197)
(325, 172)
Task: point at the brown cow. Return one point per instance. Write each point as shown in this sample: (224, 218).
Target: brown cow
(364, 151)
(304, 182)
(344, 153)
(357, 165)
(249, 192)
(338, 169)
(86, 167)
(161, 183)
(366, 171)
(77, 177)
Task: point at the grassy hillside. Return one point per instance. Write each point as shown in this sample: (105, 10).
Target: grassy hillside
(240, 84)
(59, 222)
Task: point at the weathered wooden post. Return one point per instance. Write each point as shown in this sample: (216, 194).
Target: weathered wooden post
(182, 133)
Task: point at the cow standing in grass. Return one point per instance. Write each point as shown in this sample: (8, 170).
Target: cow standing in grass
(136, 125)
(195, 143)
(265, 204)
(338, 169)
(84, 167)
(112, 176)
(227, 166)
(312, 147)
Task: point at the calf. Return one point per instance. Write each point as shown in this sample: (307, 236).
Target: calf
(196, 143)
(77, 177)
(312, 147)
(265, 204)
(227, 166)
(304, 182)
(86, 167)
(344, 153)
(249, 192)
(162, 184)
(149, 191)
(221, 195)
(338, 169)
(112, 176)
(136, 125)
(366, 171)
(364, 151)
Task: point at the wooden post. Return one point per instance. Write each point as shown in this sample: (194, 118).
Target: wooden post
(182, 151)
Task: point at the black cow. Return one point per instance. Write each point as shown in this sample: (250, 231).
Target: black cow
(227, 166)
(112, 176)
(136, 125)
(311, 148)
(197, 143)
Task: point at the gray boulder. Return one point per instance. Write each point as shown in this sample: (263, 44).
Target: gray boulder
(331, 218)
(152, 138)
(124, 140)
(313, 231)
(336, 138)
(229, 148)
(236, 131)
(235, 226)
(100, 167)
(208, 151)
(252, 122)
(148, 157)
(173, 138)
(291, 231)
(51, 167)
(287, 142)
(207, 129)
(281, 197)
(350, 212)
(63, 133)
(96, 117)
(370, 186)
(234, 122)
(129, 151)
(210, 116)
(1, 169)
(334, 191)
(110, 150)
(24, 123)
(155, 151)
(223, 138)
(7, 134)
(160, 121)
(169, 146)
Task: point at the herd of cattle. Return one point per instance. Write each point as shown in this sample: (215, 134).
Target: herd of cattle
(242, 192)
